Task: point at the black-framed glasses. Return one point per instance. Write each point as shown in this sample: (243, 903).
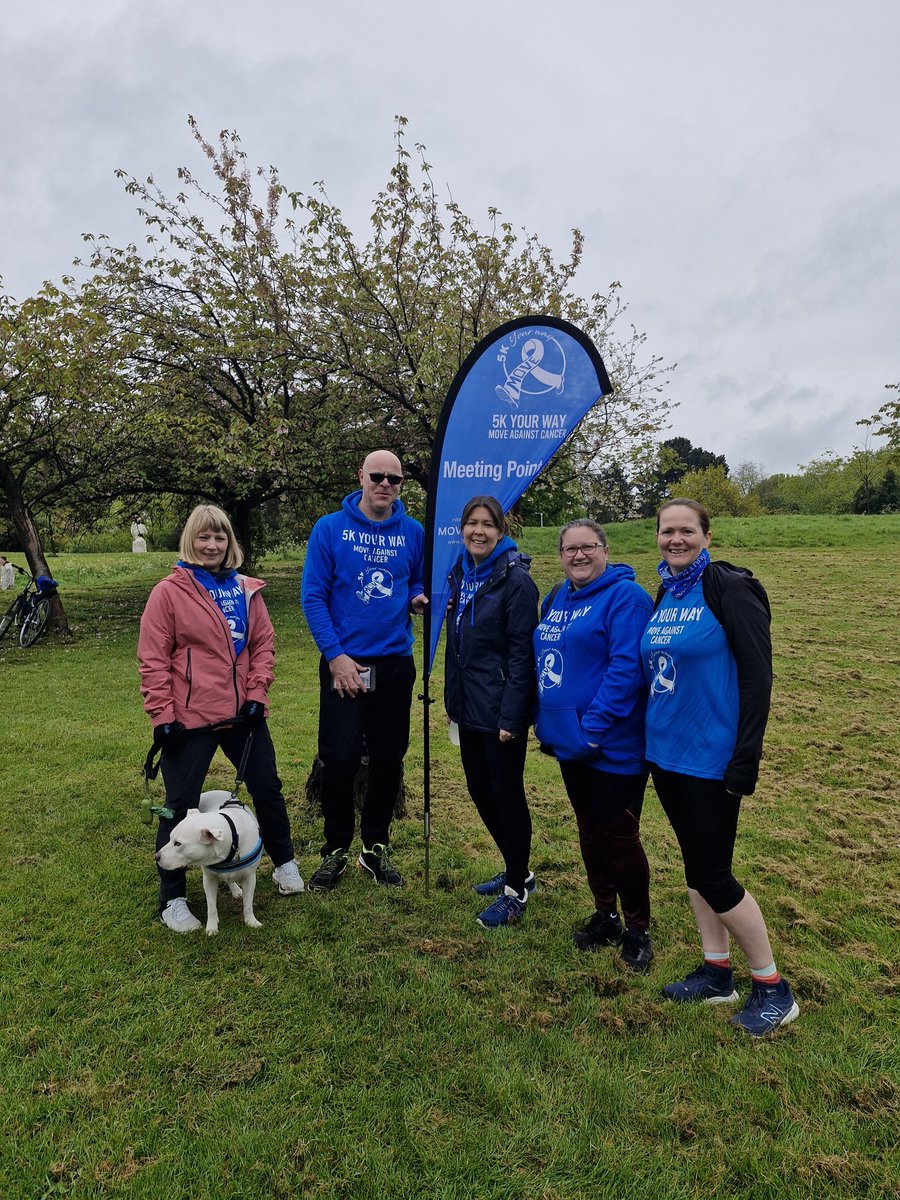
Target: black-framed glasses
(587, 549)
(380, 476)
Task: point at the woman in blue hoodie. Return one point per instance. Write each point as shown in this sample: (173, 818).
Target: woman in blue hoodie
(708, 658)
(592, 698)
(489, 692)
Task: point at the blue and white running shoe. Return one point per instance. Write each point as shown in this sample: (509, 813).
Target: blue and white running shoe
(506, 910)
(706, 985)
(493, 887)
(769, 1006)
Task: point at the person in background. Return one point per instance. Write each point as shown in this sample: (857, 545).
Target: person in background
(591, 717)
(206, 658)
(7, 574)
(362, 580)
(489, 692)
(707, 654)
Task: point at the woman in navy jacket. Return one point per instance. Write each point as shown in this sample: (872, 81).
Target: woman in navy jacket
(591, 717)
(489, 693)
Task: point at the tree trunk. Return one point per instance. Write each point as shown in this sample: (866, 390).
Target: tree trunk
(31, 541)
(240, 521)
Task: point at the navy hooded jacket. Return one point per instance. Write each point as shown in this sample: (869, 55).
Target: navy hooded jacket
(489, 681)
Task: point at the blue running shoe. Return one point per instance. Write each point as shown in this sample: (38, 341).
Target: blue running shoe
(505, 910)
(493, 887)
(770, 1005)
(706, 985)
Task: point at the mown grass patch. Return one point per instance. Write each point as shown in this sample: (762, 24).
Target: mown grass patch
(371, 1043)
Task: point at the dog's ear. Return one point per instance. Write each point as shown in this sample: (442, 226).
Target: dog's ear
(208, 836)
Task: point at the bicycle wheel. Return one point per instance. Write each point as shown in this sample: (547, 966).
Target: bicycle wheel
(9, 616)
(33, 625)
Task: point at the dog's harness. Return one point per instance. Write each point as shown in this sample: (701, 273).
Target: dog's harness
(249, 860)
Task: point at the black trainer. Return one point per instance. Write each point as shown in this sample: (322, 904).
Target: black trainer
(602, 929)
(637, 950)
(377, 862)
(325, 877)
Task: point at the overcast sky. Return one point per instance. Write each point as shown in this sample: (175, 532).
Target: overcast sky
(735, 166)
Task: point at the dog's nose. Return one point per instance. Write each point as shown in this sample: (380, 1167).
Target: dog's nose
(156, 855)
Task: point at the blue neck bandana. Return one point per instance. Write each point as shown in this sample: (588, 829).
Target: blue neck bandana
(679, 585)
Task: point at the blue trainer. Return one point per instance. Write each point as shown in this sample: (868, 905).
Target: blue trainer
(706, 985)
(769, 1006)
(493, 887)
(505, 910)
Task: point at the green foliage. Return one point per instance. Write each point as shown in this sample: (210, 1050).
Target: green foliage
(720, 495)
(886, 422)
(831, 484)
(63, 427)
(400, 313)
(369, 1044)
(274, 350)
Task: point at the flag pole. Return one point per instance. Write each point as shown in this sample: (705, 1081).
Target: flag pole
(426, 743)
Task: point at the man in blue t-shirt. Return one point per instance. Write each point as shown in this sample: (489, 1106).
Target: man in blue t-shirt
(362, 580)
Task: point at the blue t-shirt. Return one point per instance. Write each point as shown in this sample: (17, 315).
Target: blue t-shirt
(692, 710)
(227, 594)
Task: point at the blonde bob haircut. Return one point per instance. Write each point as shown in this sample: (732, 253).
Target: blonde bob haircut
(209, 517)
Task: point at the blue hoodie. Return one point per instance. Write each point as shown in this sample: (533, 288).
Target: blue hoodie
(358, 580)
(591, 686)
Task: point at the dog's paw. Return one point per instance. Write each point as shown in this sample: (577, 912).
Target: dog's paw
(252, 922)
(235, 890)
(212, 930)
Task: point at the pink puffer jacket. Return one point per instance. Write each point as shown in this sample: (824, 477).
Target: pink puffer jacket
(186, 658)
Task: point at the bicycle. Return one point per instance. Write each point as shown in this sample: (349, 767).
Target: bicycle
(31, 608)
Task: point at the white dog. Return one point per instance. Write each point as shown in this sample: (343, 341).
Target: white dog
(223, 837)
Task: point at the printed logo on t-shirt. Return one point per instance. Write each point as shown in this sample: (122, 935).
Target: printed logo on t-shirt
(375, 585)
(550, 670)
(230, 600)
(663, 668)
(238, 629)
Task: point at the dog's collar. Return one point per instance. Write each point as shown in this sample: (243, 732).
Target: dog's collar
(227, 864)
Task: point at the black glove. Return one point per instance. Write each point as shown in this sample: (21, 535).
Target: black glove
(253, 712)
(168, 736)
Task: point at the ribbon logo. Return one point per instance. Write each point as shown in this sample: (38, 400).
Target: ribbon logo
(551, 670)
(375, 585)
(541, 367)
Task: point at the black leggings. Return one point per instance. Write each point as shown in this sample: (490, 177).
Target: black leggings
(184, 772)
(608, 811)
(704, 817)
(494, 773)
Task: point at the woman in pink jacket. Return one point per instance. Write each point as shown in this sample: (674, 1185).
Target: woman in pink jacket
(206, 656)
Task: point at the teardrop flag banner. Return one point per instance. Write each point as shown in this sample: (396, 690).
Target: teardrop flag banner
(516, 399)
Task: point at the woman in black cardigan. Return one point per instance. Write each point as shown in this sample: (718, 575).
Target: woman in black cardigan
(489, 693)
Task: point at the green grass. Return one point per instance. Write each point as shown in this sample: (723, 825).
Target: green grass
(379, 1044)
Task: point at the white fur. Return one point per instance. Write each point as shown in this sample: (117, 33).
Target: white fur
(204, 838)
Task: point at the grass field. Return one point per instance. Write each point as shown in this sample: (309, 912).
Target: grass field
(377, 1044)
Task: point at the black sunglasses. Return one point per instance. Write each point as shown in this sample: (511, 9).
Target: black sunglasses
(380, 476)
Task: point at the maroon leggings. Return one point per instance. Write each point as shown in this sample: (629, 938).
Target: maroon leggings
(608, 811)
